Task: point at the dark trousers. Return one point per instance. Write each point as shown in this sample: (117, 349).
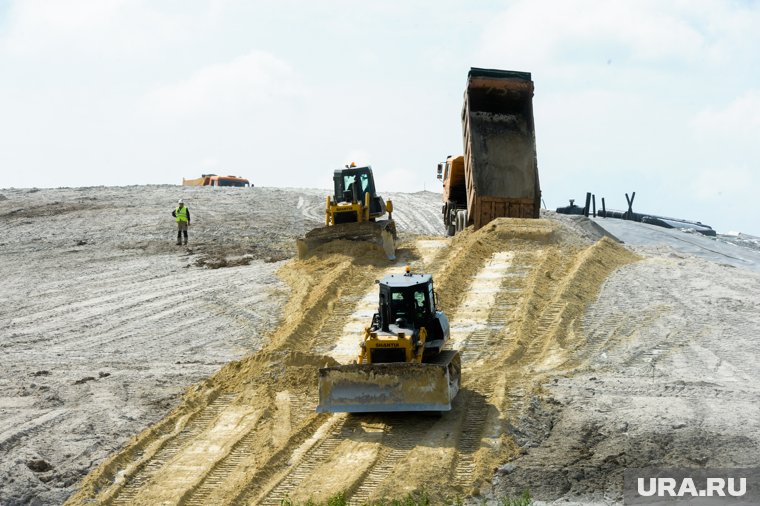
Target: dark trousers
(181, 229)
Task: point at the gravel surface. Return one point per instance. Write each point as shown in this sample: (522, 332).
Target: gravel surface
(104, 321)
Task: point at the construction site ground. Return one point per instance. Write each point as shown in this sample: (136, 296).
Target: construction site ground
(134, 371)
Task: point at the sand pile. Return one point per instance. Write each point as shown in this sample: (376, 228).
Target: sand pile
(256, 416)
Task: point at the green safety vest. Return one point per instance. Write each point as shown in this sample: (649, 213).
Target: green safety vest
(181, 213)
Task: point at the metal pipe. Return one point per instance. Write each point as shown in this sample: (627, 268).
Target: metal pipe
(588, 204)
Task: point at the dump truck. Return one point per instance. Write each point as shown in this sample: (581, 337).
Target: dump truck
(214, 180)
(353, 213)
(498, 174)
(402, 364)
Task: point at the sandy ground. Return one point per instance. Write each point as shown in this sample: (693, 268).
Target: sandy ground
(249, 434)
(580, 357)
(104, 321)
(668, 378)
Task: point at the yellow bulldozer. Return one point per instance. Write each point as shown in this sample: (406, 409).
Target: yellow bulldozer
(401, 365)
(353, 212)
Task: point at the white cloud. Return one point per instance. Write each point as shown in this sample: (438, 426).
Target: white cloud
(566, 38)
(544, 31)
(76, 29)
(725, 185)
(739, 120)
(399, 180)
(254, 80)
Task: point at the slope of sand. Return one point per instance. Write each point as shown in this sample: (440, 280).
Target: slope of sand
(104, 321)
(249, 434)
(580, 357)
(668, 375)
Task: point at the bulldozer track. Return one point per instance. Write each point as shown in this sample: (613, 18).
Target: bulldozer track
(510, 313)
(342, 312)
(399, 438)
(276, 467)
(473, 424)
(170, 448)
(316, 455)
(239, 456)
(479, 345)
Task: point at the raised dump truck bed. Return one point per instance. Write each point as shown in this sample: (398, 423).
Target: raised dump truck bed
(500, 171)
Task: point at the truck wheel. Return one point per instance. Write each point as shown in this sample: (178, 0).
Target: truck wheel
(451, 230)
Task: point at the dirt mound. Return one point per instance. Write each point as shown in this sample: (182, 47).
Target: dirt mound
(362, 251)
(514, 292)
(94, 285)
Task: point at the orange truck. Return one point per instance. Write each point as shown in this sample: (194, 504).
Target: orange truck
(498, 174)
(214, 180)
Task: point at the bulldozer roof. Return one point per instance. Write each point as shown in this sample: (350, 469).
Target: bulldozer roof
(353, 170)
(403, 281)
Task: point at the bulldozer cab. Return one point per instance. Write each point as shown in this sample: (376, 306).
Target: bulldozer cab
(352, 183)
(410, 302)
(407, 303)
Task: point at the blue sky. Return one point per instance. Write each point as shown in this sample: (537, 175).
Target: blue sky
(661, 98)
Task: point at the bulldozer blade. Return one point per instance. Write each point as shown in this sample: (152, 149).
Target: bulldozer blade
(381, 232)
(402, 386)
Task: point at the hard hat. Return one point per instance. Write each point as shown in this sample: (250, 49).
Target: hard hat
(180, 201)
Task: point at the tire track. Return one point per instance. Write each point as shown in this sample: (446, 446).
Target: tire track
(134, 483)
(138, 308)
(275, 469)
(400, 436)
(509, 273)
(471, 434)
(315, 456)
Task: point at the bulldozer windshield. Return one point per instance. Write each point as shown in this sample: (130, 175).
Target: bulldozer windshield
(412, 305)
(344, 184)
(356, 186)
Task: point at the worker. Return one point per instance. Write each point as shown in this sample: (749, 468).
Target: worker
(182, 215)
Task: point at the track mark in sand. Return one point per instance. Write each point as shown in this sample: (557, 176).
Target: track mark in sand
(188, 467)
(692, 391)
(346, 347)
(8, 437)
(482, 324)
(281, 426)
(301, 408)
(307, 458)
(226, 472)
(473, 424)
(469, 328)
(239, 455)
(134, 484)
(233, 472)
(399, 438)
(430, 250)
(342, 311)
(482, 318)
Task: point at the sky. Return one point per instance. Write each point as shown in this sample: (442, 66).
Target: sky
(657, 97)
